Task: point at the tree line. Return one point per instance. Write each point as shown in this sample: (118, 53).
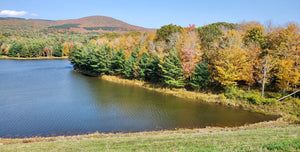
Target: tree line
(37, 44)
(219, 55)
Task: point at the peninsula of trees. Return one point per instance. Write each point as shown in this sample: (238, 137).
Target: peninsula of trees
(219, 55)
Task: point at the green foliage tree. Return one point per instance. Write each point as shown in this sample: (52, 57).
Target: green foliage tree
(255, 36)
(99, 61)
(57, 49)
(130, 64)
(144, 67)
(200, 77)
(117, 62)
(154, 70)
(165, 31)
(172, 73)
(35, 48)
(78, 58)
(15, 48)
(208, 34)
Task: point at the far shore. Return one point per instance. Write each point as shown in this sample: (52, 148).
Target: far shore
(34, 58)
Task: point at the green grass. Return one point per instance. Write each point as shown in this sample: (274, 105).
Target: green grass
(268, 139)
(284, 145)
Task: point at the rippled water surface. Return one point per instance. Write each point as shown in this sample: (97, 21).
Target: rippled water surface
(46, 98)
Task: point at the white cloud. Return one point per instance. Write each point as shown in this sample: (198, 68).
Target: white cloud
(12, 13)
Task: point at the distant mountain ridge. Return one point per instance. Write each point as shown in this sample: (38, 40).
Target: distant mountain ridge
(96, 24)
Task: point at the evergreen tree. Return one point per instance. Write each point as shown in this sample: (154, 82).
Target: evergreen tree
(172, 73)
(78, 58)
(99, 61)
(117, 62)
(154, 70)
(130, 64)
(200, 77)
(144, 65)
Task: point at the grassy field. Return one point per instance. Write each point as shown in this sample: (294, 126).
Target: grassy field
(285, 138)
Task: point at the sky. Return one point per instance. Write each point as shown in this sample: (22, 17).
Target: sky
(156, 13)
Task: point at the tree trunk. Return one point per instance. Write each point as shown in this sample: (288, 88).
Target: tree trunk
(264, 77)
(288, 95)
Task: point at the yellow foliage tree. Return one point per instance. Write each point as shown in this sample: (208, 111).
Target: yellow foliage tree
(252, 71)
(65, 49)
(285, 73)
(229, 65)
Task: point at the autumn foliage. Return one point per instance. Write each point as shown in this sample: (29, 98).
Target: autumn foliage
(219, 55)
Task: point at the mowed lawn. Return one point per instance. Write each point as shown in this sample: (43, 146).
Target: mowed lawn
(270, 139)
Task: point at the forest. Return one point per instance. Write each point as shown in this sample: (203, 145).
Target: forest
(219, 57)
(215, 57)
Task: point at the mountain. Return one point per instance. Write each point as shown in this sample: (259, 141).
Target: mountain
(95, 24)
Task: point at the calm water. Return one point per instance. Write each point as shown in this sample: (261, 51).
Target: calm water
(46, 98)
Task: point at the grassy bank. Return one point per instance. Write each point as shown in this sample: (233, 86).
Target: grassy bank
(284, 138)
(33, 58)
(287, 109)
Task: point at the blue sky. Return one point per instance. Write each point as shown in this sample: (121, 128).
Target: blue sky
(156, 13)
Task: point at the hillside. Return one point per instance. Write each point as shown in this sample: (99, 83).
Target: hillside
(98, 24)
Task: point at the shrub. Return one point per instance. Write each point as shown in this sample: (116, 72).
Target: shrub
(254, 99)
(270, 102)
(234, 93)
(273, 95)
(221, 96)
(297, 101)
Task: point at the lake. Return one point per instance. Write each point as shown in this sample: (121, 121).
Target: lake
(48, 98)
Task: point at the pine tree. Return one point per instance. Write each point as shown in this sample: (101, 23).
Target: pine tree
(143, 69)
(154, 70)
(200, 77)
(117, 62)
(100, 61)
(172, 73)
(130, 64)
(78, 58)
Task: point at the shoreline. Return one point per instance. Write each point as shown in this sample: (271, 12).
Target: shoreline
(34, 58)
(279, 123)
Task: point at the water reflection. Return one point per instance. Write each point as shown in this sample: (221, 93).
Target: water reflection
(154, 110)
